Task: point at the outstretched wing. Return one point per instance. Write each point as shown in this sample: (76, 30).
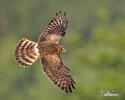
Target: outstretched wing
(55, 29)
(57, 72)
(26, 52)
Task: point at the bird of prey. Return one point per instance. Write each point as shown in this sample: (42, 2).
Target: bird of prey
(48, 50)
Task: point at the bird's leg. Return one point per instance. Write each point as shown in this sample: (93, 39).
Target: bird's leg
(61, 49)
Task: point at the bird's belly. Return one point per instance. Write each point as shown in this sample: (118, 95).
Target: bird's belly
(43, 51)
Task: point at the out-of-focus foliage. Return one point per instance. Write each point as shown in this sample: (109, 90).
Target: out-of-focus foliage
(95, 43)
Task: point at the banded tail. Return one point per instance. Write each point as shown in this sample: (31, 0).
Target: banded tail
(26, 52)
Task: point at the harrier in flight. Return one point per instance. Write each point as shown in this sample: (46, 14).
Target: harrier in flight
(48, 50)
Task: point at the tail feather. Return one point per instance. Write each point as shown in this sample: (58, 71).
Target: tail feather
(26, 52)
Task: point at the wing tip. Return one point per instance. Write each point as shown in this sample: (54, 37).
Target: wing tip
(69, 88)
(59, 22)
(65, 14)
(59, 13)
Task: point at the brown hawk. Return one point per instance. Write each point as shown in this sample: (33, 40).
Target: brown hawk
(48, 50)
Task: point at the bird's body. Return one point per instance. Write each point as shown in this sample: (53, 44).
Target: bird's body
(48, 50)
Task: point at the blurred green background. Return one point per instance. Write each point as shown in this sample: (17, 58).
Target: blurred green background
(95, 43)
